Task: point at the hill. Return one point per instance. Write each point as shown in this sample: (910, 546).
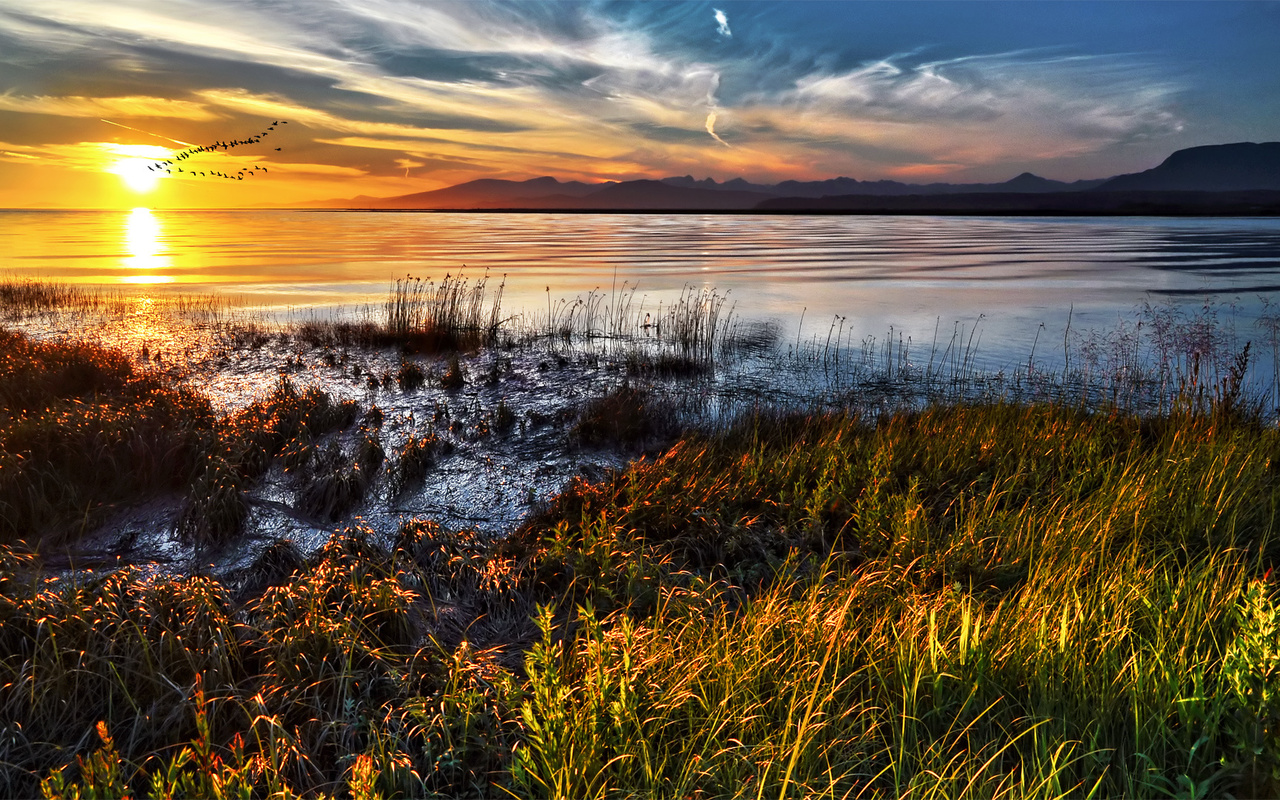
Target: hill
(1244, 166)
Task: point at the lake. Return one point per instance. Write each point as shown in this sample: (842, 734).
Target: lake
(871, 275)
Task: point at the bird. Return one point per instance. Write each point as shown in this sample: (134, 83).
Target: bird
(277, 149)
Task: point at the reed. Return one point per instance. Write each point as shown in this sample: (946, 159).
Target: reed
(428, 317)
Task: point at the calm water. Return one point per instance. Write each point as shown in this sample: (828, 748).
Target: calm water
(916, 274)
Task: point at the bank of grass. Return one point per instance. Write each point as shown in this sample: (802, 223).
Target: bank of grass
(988, 600)
(84, 431)
(968, 601)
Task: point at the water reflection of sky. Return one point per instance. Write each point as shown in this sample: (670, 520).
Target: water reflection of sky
(917, 274)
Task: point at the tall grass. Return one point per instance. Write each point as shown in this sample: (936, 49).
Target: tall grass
(998, 601)
(987, 600)
(425, 314)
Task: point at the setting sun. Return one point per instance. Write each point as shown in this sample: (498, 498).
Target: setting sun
(133, 162)
(136, 176)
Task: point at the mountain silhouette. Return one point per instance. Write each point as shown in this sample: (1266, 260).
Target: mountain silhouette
(1199, 180)
(1244, 166)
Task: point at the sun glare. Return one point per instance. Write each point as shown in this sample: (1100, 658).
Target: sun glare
(136, 176)
(132, 162)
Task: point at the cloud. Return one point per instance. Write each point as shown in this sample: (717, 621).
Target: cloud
(126, 107)
(711, 129)
(722, 24)
(970, 111)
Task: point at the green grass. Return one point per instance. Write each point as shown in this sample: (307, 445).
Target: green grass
(969, 600)
(973, 601)
(981, 601)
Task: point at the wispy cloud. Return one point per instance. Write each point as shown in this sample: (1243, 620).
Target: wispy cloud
(123, 107)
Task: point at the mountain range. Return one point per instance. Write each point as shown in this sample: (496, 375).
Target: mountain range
(1241, 178)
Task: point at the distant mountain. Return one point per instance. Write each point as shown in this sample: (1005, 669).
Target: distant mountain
(669, 194)
(1026, 182)
(646, 196)
(1244, 166)
(473, 194)
(1237, 169)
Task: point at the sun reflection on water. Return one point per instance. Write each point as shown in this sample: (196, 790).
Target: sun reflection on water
(144, 241)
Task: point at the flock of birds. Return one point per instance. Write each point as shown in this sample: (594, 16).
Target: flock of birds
(170, 166)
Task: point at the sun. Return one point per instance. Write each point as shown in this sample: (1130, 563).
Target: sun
(131, 163)
(136, 176)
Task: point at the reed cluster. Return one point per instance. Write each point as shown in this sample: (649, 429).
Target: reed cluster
(429, 316)
(685, 335)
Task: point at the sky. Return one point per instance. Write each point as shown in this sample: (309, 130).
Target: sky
(389, 97)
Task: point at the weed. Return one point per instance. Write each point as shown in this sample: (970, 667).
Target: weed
(410, 376)
(454, 377)
(503, 417)
(625, 416)
(413, 460)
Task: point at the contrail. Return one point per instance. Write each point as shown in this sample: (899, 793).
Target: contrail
(722, 25)
(148, 133)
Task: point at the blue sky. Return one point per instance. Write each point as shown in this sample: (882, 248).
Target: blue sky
(389, 96)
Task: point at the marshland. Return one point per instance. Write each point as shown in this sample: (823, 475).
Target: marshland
(460, 539)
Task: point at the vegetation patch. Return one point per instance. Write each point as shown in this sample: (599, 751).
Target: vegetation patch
(82, 430)
(625, 416)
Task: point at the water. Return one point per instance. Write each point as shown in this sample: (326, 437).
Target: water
(918, 275)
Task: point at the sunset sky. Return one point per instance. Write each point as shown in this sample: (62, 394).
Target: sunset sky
(387, 97)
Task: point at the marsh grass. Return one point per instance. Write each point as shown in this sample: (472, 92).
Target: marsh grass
(413, 460)
(991, 600)
(988, 601)
(315, 685)
(82, 429)
(286, 425)
(625, 416)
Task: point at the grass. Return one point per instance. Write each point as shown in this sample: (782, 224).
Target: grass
(81, 429)
(988, 600)
(84, 431)
(973, 601)
(956, 598)
(625, 416)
